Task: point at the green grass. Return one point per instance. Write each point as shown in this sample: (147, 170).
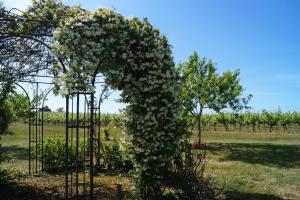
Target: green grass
(255, 165)
(244, 165)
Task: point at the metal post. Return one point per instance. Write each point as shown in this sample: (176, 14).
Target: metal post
(119, 192)
(92, 147)
(99, 133)
(71, 145)
(42, 137)
(84, 143)
(67, 149)
(29, 148)
(77, 143)
(36, 129)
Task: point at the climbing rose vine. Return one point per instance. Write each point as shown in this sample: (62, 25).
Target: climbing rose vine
(136, 59)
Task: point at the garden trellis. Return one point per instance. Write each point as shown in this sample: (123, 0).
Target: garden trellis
(132, 56)
(37, 77)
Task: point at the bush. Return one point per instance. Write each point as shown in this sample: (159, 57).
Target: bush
(114, 160)
(55, 154)
(106, 133)
(9, 175)
(6, 116)
(187, 180)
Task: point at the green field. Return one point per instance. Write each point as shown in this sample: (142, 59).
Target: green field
(243, 165)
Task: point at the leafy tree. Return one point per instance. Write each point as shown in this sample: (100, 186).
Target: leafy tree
(20, 105)
(6, 88)
(6, 116)
(60, 109)
(46, 109)
(202, 87)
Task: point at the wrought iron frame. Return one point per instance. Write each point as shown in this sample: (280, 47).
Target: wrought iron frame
(91, 129)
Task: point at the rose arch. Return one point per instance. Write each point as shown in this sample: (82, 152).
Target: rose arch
(136, 59)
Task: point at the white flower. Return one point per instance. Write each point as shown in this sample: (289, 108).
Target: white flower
(84, 43)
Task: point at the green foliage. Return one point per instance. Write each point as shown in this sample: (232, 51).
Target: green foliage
(6, 116)
(135, 58)
(46, 109)
(55, 154)
(118, 120)
(60, 110)
(202, 87)
(114, 160)
(199, 83)
(249, 119)
(9, 175)
(20, 105)
(106, 133)
(13, 106)
(188, 179)
(6, 110)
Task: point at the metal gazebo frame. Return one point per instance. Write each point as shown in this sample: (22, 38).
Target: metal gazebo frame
(80, 165)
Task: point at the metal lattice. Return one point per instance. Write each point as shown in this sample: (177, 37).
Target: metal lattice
(85, 134)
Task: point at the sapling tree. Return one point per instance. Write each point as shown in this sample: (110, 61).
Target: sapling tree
(203, 88)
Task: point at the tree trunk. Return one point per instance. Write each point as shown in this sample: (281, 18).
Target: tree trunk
(199, 129)
(198, 118)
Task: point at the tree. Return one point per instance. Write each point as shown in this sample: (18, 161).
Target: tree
(60, 109)
(6, 88)
(202, 87)
(46, 109)
(20, 104)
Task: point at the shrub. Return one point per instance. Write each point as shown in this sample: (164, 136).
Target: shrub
(187, 180)
(6, 116)
(106, 133)
(9, 175)
(55, 154)
(114, 160)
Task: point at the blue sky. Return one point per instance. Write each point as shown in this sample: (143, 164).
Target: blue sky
(259, 37)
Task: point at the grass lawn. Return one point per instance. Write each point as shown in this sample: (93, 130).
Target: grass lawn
(256, 166)
(244, 165)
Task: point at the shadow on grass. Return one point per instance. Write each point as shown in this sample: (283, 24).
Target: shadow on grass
(283, 156)
(13, 191)
(235, 195)
(14, 152)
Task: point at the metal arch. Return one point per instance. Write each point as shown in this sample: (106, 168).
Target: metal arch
(29, 127)
(90, 107)
(43, 43)
(28, 98)
(48, 92)
(43, 101)
(18, 35)
(102, 93)
(10, 11)
(39, 122)
(99, 124)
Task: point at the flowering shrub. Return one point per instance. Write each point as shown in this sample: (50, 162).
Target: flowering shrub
(135, 58)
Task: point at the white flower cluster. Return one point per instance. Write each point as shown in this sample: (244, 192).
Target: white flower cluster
(134, 57)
